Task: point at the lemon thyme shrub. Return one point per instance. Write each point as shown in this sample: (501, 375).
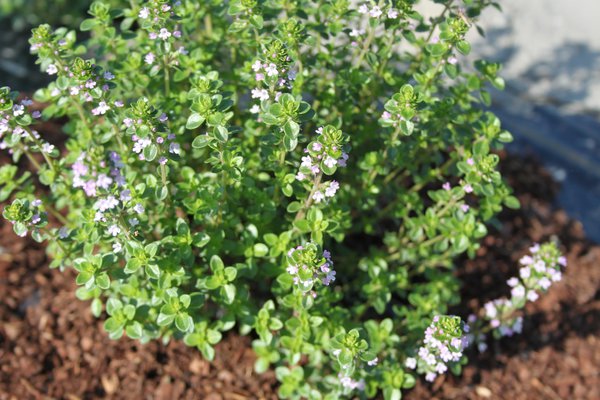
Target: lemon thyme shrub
(302, 171)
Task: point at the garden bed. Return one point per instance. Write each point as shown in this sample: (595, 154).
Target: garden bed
(52, 347)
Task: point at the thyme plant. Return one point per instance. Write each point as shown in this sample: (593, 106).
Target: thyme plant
(303, 171)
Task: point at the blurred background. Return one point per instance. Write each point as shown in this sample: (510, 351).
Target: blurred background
(550, 51)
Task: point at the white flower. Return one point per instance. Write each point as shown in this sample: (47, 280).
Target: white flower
(117, 247)
(363, 9)
(175, 148)
(307, 161)
(114, 230)
(332, 189)
(144, 13)
(411, 363)
(18, 110)
(101, 109)
(318, 197)
(51, 70)
(164, 34)
(255, 109)
(271, 70)
(138, 208)
(356, 32)
(261, 94)
(256, 66)
(149, 58)
(47, 148)
(330, 162)
(375, 12)
(392, 14)
(532, 296)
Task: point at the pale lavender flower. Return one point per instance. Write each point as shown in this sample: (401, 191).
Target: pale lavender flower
(114, 230)
(149, 58)
(52, 69)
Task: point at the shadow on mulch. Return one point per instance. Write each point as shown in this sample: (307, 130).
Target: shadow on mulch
(51, 347)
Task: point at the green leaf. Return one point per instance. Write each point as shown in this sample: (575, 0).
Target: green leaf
(213, 336)
(221, 133)
(229, 293)
(230, 273)
(291, 129)
(260, 250)
(184, 322)
(294, 207)
(150, 152)
(201, 141)
(464, 47)
(290, 143)
(112, 325)
(256, 21)
(152, 270)
(103, 281)
(165, 319)
(261, 365)
(134, 330)
(96, 307)
(392, 394)
(194, 121)
(207, 351)
(88, 24)
(216, 263)
(512, 202)
(133, 264)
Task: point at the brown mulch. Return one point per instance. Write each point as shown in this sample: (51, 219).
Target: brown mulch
(51, 347)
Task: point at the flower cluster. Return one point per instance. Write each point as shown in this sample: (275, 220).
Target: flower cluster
(149, 133)
(443, 344)
(154, 15)
(15, 134)
(322, 156)
(538, 272)
(274, 78)
(25, 216)
(350, 384)
(375, 11)
(308, 265)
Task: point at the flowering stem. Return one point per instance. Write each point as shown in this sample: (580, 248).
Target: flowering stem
(32, 159)
(56, 214)
(163, 174)
(39, 145)
(366, 46)
(167, 76)
(56, 240)
(439, 19)
(309, 199)
(385, 155)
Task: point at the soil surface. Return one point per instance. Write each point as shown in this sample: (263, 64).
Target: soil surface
(51, 347)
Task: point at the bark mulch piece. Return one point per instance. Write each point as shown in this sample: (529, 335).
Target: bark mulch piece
(51, 347)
